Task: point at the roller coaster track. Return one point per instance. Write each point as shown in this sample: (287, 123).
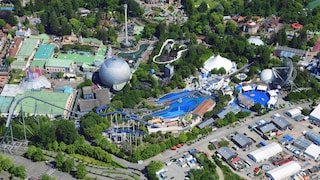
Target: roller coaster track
(127, 117)
(14, 106)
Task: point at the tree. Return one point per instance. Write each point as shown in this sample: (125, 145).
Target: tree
(2, 23)
(220, 28)
(65, 27)
(149, 30)
(203, 7)
(6, 164)
(45, 177)
(54, 23)
(231, 27)
(67, 165)
(59, 160)
(66, 131)
(9, 60)
(152, 168)
(55, 146)
(81, 171)
(183, 137)
(60, 75)
(31, 151)
(19, 171)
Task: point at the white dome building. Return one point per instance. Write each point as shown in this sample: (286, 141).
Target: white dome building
(114, 73)
(255, 41)
(267, 76)
(217, 62)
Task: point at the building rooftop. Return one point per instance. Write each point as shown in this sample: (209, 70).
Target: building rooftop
(52, 62)
(57, 98)
(224, 112)
(204, 107)
(44, 51)
(102, 96)
(77, 58)
(100, 56)
(17, 44)
(226, 153)
(11, 90)
(281, 122)
(267, 127)
(5, 103)
(242, 140)
(206, 123)
(91, 40)
(28, 46)
(302, 143)
(87, 90)
(38, 63)
(313, 136)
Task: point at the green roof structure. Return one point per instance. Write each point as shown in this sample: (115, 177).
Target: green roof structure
(27, 48)
(91, 40)
(100, 56)
(88, 59)
(63, 63)
(18, 64)
(57, 98)
(38, 63)
(5, 103)
(44, 52)
(45, 38)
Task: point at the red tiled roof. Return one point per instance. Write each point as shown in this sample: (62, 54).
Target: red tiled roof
(204, 107)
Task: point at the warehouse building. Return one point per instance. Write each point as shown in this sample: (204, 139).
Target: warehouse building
(293, 112)
(315, 115)
(284, 171)
(265, 152)
(313, 151)
(302, 143)
(312, 136)
(241, 140)
(226, 153)
(281, 123)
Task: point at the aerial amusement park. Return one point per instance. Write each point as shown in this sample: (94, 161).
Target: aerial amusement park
(174, 112)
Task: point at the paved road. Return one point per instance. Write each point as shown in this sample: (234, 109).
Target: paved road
(203, 143)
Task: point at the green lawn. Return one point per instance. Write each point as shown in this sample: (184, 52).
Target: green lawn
(313, 4)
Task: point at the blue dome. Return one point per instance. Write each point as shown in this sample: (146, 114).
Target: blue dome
(114, 72)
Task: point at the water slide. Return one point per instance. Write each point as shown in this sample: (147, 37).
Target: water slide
(179, 54)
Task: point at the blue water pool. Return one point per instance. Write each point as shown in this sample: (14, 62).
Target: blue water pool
(174, 96)
(179, 104)
(258, 97)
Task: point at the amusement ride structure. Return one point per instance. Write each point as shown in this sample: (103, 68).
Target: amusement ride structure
(10, 144)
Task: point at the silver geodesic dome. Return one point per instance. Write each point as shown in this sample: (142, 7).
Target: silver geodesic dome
(114, 73)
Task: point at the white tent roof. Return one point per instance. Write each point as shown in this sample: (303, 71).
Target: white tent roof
(247, 88)
(272, 101)
(315, 114)
(273, 93)
(218, 62)
(262, 88)
(294, 112)
(284, 171)
(313, 151)
(265, 152)
(255, 41)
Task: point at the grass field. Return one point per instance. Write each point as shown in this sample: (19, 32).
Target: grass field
(313, 4)
(211, 3)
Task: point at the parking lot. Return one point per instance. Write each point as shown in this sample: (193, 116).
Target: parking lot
(178, 167)
(298, 128)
